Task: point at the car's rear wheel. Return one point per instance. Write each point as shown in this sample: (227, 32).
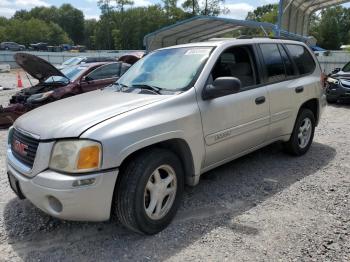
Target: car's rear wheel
(303, 133)
(149, 191)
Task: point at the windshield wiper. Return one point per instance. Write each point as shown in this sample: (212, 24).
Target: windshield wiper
(148, 87)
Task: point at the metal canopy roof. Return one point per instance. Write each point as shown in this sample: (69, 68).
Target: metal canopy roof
(295, 14)
(198, 28)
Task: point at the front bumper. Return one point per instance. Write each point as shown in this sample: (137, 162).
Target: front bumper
(338, 92)
(55, 194)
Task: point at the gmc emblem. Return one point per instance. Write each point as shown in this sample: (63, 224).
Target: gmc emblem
(20, 148)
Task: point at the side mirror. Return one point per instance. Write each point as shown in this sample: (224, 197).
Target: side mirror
(86, 79)
(222, 86)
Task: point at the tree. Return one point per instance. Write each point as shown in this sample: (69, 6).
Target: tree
(206, 7)
(329, 30)
(265, 13)
(89, 33)
(34, 30)
(72, 21)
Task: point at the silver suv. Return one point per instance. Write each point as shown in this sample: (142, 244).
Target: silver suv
(130, 149)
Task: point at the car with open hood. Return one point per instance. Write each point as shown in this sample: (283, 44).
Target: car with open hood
(55, 84)
(129, 149)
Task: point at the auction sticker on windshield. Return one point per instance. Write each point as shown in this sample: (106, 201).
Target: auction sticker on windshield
(198, 51)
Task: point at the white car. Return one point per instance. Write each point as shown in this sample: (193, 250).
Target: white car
(177, 113)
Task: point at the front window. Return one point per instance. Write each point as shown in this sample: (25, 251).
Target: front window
(169, 69)
(72, 73)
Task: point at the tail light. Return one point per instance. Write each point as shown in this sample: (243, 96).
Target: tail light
(323, 80)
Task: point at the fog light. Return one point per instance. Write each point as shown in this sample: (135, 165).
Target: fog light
(84, 182)
(55, 204)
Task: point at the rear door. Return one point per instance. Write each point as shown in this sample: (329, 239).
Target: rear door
(235, 123)
(287, 88)
(279, 78)
(101, 77)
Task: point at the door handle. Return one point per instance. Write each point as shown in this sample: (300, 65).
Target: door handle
(299, 89)
(260, 100)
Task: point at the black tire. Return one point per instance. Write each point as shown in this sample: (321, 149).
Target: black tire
(293, 145)
(129, 198)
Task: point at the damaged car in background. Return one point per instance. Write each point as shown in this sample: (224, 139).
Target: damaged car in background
(338, 85)
(55, 84)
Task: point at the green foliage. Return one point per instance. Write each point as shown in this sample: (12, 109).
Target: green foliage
(265, 13)
(68, 18)
(331, 28)
(32, 31)
(206, 7)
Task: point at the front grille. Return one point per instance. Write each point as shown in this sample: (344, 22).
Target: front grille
(24, 147)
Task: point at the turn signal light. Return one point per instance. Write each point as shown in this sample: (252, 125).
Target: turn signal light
(89, 157)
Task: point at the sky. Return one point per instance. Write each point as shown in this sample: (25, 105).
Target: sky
(238, 8)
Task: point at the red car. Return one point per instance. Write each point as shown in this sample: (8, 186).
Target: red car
(55, 84)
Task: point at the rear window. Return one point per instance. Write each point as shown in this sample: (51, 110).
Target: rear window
(302, 58)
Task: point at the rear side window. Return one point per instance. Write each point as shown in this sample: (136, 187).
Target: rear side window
(273, 62)
(290, 71)
(302, 58)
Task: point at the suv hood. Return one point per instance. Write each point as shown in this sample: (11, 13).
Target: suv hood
(72, 116)
(36, 66)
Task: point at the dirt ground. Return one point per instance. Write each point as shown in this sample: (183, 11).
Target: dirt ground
(266, 206)
(9, 80)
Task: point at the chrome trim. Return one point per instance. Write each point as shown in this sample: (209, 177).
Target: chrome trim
(16, 164)
(27, 133)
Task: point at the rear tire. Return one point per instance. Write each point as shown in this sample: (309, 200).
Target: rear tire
(149, 191)
(303, 133)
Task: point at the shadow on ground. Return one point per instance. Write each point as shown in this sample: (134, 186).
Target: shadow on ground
(222, 194)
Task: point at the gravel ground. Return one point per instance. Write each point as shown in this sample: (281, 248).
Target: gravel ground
(266, 206)
(9, 80)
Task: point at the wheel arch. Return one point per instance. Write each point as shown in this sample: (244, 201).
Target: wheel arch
(313, 105)
(176, 145)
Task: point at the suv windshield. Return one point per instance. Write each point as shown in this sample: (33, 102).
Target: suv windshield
(169, 69)
(72, 73)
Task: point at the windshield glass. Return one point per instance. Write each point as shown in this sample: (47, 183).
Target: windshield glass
(72, 73)
(169, 69)
(346, 68)
(73, 61)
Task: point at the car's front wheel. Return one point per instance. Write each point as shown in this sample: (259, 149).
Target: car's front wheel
(149, 191)
(303, 133)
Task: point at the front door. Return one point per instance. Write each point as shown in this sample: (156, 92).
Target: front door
(235, 123)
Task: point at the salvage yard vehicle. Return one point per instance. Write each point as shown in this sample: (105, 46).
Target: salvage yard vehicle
(180, 111)
(11, 46)
(55, 84)
(77, 60)
(338, 85)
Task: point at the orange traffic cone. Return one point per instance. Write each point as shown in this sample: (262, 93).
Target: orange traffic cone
(19, 81)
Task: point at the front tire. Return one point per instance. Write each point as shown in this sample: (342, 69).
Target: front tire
(149, 191)
(303, 133)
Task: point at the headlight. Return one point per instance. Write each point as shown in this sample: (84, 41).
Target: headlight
(332, 80)
(39, 97)
(76, 156)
